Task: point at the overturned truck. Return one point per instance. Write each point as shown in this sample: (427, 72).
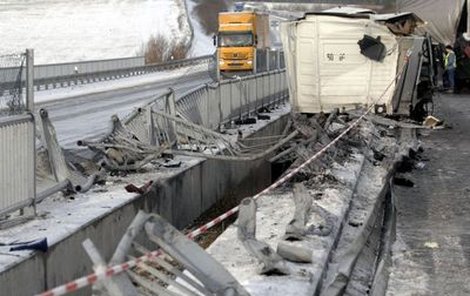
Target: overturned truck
(346, 58)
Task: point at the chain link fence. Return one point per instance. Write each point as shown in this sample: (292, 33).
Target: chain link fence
(12, 83)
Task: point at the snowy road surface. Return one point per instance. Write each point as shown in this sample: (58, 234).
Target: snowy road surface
(88, 116)
(432, 252)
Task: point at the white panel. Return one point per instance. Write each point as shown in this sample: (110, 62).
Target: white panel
(331, 72)
(16, 163)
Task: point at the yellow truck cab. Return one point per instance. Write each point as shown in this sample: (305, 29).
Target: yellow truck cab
(240, 35)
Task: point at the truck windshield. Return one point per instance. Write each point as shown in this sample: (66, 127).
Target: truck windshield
(238, 39)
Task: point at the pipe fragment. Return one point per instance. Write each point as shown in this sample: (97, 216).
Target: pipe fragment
(296, 229)
(271, 262)
(295, 252)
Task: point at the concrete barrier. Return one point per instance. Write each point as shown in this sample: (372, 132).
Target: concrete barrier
(180, 198)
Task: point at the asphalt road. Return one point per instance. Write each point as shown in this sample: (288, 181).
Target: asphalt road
(432, 252)
(89, 116)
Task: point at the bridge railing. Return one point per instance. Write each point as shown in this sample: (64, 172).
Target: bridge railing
(17, 139)
(216, 104)
(67, 74)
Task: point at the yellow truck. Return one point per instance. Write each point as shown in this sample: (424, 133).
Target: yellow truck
(240, 35)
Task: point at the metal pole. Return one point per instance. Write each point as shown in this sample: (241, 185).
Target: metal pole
(30, 80)
(268, 62)
(278, 59)
(30, 108)
(217, 65)
(255, 61)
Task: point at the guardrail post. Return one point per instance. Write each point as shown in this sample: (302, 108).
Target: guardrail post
(219, 103)
(30, 80)
(170, 103)
(217, 65)
(30, 108)
(151, 128)
(171, 109)
(255, 61)
(268, 61)
(54, 151)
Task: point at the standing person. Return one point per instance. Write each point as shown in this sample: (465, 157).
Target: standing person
(450, 63)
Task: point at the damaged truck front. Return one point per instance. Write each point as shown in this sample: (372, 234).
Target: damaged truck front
(340, 60)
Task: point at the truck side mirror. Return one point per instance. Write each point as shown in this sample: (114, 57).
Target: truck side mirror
(256, 40)
(214, 40)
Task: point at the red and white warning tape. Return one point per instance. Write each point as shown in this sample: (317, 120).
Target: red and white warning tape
(109, 272)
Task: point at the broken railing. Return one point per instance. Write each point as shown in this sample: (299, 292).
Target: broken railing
(189, 123)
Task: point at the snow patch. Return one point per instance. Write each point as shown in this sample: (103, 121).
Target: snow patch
(62, 31)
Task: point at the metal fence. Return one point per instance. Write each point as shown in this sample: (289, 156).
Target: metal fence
(17, 136)
(17, 152)
(12, 98)
(267, 60)
(66, 74)
(213, 105)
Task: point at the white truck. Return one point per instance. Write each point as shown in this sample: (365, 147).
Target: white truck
(345, 58)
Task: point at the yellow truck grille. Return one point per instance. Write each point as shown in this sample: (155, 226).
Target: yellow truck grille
(234, 56)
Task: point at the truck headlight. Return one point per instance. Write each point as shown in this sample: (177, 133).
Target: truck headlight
(221, 63)
(249, 62)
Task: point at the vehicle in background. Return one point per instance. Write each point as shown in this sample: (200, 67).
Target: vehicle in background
(241, 34)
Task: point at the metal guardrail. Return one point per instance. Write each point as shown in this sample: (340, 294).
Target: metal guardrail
(216, 104)
(17, 159)
(269, 59)
(17, 143)
(67, 74)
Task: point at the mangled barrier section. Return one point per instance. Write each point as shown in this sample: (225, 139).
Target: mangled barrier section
(312, 232)
(157, 131)
(178, 267)
(54, 172)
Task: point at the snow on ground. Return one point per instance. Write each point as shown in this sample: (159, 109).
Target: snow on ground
(110, 85)
(407, 278)
(67, 30)
(274, 211)
(62, 217)
(202, 43)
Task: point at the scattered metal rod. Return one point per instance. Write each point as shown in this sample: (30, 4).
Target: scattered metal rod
(262, 138)
(116, 286)
(330, 119)
(61, 186)
(166, 279)
(200, 264)
(240, 157)
(87, 186)
(153, 287)
(170, 268)
(293, 148)
(287, 127)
